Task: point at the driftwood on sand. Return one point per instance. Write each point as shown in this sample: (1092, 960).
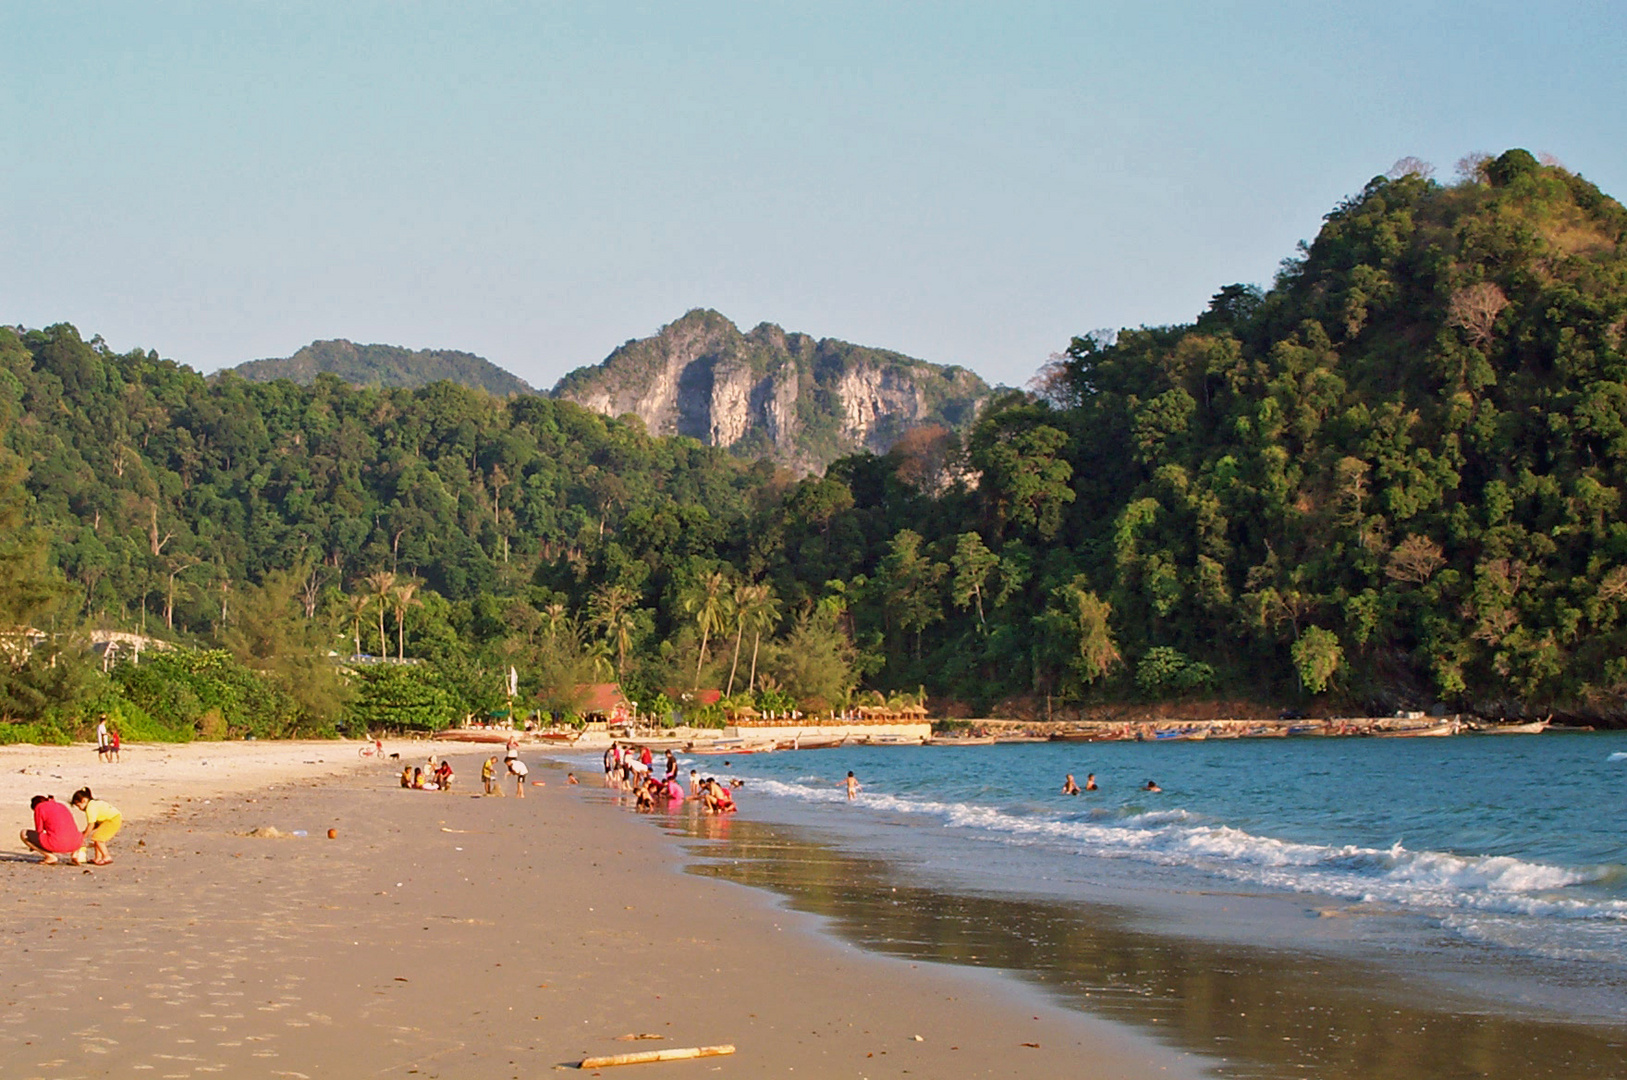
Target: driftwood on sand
(642, 1057)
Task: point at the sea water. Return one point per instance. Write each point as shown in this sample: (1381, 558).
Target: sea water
(1515, 842)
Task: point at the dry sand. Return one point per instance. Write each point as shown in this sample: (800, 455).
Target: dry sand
(453, 935)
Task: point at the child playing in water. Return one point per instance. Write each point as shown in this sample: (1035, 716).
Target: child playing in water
(852, 786)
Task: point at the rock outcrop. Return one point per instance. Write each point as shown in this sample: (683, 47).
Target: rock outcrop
(800, 401)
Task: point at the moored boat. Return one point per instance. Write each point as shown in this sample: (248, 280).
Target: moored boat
(962, 740)
(1450, 727)
(817, 741)
(1534, 727)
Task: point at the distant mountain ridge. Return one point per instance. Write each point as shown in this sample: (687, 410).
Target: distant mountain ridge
(385, 365)
(789, 397)
(768, 393)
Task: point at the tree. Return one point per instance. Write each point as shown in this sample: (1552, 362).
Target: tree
(1316, 657)
(1475, 309)
(270, 635)
(381, 582)
(356, 607)
(612, 612)
(1024, 472)
(739, 613)
(972, 562)
(762, 613)
(815, 663)
(706, 601)
(1085, 618)
(1415, 560)
(912, 580)
(402, 597)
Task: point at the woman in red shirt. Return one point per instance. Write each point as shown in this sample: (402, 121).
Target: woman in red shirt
(55, 832)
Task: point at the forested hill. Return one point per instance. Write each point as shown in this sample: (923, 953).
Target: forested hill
(385, 365)
(1394, 478)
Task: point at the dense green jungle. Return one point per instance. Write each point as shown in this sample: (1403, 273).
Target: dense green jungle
(1393, 478)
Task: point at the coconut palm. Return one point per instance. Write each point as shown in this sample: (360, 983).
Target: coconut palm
(612, 607)
(381, 583)
(356, 606)
(737, 615)
(401, 598)
(707, 601)
(763, 614)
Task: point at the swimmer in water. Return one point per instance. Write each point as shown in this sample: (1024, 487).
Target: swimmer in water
(1090, 781)
(1069, 787)
(1152, 785)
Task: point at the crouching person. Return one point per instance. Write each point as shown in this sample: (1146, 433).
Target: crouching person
(55, 832)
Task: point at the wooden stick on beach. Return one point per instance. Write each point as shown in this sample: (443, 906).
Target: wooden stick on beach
(657, 1055)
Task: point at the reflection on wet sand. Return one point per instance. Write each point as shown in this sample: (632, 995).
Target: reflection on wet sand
(1257, 1012)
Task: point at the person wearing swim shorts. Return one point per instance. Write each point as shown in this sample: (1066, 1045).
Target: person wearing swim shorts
(102, 823)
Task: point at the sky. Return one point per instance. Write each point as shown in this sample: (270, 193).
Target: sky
(537, 183)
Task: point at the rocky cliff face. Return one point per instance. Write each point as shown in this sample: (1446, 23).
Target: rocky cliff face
(786, 396)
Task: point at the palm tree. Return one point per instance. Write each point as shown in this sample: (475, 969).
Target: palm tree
(356, 606)
(612, 609)
(739, 608)
(764, 615)
(381, 584)
(706, 601)
(401, 597)
(554, 619)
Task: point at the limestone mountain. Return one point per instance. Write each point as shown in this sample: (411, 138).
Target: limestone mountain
(385, 365)
(768, 393)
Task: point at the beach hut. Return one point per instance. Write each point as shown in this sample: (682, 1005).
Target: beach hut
(604, 701)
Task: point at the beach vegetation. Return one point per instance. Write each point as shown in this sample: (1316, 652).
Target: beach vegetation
(1393, 476)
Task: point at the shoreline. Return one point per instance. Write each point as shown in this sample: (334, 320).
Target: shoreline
(454, 935)
(1314, 990)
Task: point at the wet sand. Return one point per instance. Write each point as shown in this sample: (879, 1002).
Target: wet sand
(1267, 1012)
(459, 936)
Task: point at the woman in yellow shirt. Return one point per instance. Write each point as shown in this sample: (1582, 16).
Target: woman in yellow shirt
(102, 823)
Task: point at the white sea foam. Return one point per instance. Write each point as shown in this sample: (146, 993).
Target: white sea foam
(1619, 755)
(1438, 882)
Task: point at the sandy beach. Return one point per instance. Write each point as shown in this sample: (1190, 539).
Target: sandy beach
(452, 935)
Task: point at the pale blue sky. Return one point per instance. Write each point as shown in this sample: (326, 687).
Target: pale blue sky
(966, 183)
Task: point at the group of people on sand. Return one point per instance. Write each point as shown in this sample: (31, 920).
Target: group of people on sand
(632, 768)
(55, 831)
(511, 766)
(108, 741)
(431, 776)
(1070, 786)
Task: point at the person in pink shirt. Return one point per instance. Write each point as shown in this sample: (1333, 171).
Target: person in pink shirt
(55, 832)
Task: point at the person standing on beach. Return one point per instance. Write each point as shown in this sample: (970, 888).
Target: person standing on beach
(852, 786)
(54, 832)
(488, 776)
(102, 823)
(102, 743)
(519, 771)
(117, 743)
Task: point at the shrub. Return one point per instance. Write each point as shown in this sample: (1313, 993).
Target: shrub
(1164, 671)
